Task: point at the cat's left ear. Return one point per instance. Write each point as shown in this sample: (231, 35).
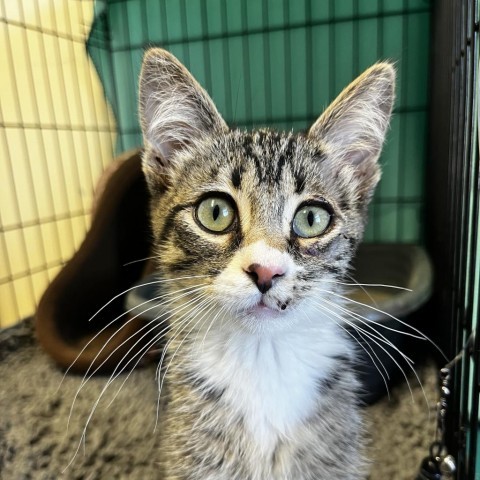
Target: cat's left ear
(175, 111)
(353, 127)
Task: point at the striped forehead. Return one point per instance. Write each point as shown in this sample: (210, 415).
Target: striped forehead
(266, 159)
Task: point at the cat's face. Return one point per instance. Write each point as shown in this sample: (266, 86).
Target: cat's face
(268, 218)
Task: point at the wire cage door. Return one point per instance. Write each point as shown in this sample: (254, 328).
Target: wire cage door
(454, 208)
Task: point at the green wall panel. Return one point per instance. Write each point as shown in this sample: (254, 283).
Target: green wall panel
(279, 63)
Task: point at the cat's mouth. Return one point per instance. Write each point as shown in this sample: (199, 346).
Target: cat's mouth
(261, 305)
(263, 309)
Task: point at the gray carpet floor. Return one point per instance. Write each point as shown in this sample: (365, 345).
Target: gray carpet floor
(37, 440)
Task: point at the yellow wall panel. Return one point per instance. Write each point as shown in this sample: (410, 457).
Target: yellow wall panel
(56, 137)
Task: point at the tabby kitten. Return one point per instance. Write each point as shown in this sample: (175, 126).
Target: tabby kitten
(253, 232)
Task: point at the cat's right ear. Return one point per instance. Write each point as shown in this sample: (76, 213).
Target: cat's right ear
(174, 110)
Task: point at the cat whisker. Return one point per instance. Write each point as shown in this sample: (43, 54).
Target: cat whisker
(117, 318)
(75, 453)
(373, 285)
(366, 334)
(378, 340)
(160, 334)
(371, 323)
(180, 325)
(139, 260)
(140, 354)
(374, 334)
(221, 310)
(202, 325)
(179, 322)
(109, 324)
(179, 329)
(364, 287)
(157, 282)
(104, 389)
(401, 322)
(185, 291)
(204, 307)
(364, 348)
(364, 290)
(89, 375)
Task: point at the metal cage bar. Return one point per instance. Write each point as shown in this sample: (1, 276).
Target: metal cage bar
(453, 206)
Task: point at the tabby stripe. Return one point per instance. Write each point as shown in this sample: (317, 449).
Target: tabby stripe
(237, 176)
(171, 217)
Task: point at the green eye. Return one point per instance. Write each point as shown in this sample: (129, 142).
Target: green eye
(311, 221)
(215, 214)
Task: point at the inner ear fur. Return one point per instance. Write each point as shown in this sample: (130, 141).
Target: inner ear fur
(352, 129)
(174, 110)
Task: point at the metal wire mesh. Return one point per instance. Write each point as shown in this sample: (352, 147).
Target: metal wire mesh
(454, 208)
(56, 136)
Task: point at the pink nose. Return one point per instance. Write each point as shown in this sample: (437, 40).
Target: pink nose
(263, 276)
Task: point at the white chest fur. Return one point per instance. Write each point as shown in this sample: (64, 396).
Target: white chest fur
(271, 379)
